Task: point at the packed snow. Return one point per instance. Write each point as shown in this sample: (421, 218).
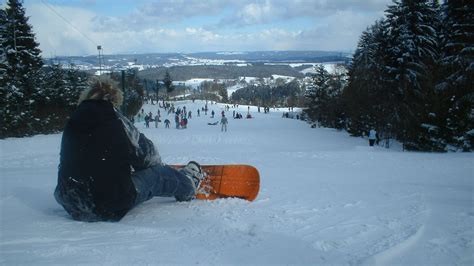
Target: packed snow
(325, 198)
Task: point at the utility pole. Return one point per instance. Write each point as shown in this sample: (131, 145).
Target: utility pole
(99, 48)
(124, 104)
(157, 90)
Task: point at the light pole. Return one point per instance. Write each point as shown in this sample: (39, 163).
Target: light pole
(99, 48)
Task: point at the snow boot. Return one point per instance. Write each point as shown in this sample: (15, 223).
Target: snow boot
(194, 172)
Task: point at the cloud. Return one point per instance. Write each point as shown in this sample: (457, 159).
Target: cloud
(268, 11)
(335, 30)
(58, 37)
(254, 13)
(177, 10)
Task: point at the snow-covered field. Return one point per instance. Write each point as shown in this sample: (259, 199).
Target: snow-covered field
(325, 198)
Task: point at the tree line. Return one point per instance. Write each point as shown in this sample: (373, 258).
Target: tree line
(260, 70)
(36, 98)
(278, 94)
(411, 79)
(33, 98)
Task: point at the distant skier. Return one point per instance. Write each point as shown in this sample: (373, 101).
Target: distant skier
(176, 120)
(167, 123)
(157, 120)
(107, 167)
(184, 122)
(224, 122)
(372, 137)
(147, 121)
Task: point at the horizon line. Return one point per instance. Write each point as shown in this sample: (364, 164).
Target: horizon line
(200, 52)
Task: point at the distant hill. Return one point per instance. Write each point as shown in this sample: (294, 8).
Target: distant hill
(153, 60)
(220, 72)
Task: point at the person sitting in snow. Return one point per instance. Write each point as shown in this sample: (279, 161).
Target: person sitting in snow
(107, 167)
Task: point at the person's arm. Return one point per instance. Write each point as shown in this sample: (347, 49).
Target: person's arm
(143, 153)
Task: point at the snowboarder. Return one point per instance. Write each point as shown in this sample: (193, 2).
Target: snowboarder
(224, 123)
(372, 137)
(157, 120)
(107, 167)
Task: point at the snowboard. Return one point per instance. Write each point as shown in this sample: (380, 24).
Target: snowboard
(228, 181)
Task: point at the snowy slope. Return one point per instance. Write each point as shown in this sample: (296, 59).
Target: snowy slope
(325, 198)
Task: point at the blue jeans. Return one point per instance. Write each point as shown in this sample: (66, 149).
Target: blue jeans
(162, 181)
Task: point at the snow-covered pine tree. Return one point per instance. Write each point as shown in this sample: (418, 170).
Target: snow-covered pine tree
(57, 97)
(431, 136)
(168, 82)
(51, 99)
(336, 116)
(23, 64)
(356, 92)
(76, 82)
(367, 97)
(318, 96)
(458, 69)
(4, 108)
(3, 52)
(411, 57)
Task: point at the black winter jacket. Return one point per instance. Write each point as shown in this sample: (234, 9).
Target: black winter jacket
(100, 149)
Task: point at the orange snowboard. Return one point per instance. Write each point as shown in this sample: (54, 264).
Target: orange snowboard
(228, 180)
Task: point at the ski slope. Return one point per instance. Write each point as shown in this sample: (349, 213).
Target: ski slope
(325, 198)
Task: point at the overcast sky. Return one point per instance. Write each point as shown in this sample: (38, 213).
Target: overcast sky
(76, 27)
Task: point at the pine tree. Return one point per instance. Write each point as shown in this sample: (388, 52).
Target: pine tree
(458, 69)
(75, 82)
(22, 76)
(368, 97)
(168, 82)
(430, 137)
(3, 52)
(411, 57)
(5, 116)
(318, 96)
(51, 99)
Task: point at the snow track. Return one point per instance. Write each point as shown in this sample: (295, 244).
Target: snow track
(325, 198)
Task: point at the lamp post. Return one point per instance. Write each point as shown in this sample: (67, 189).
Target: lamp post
(99, 48)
